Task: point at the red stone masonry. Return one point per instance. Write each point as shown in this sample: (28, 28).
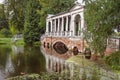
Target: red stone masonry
(69, 42)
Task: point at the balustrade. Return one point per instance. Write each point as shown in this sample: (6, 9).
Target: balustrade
(64, 34)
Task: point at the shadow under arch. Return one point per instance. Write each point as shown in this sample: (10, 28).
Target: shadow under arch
(60, 47)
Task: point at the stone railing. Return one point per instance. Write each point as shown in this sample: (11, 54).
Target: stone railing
(113, 42)
(42, 37)
(63, 34)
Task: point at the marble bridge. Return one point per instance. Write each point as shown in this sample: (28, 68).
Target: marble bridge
(66, 27)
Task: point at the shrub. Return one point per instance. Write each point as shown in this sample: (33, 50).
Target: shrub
(5, 32)
(114, 60)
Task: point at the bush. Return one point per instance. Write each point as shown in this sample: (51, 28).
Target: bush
(114, 60)
(5, 32)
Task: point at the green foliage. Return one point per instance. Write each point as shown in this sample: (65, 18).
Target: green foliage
(3, 20)
(12, 29)
(95, 75)
(19, 42)
(101, 18)
(31, 25)
(52, 7)
(15, 10)
(5, 32)
(114, 60)
(37, 43)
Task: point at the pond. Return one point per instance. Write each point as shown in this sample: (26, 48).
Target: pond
(20, 60)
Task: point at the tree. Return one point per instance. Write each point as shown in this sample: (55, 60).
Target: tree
(52, 7)
(15, 13)
(102, 16)
(3, 20)
(32, 19)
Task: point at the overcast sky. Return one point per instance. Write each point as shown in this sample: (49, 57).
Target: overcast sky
(1, 1)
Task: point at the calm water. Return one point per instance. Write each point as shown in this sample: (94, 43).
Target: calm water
(18, 60)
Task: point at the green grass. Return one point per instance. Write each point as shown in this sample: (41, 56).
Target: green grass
(5, 40)
(9, 41)
(81, 61)
(19, 42)
(38, 43)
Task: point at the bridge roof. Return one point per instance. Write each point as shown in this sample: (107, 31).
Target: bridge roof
(75, 7)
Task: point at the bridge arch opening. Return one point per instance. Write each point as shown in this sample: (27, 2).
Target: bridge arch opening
(60, 47)
(77, 24)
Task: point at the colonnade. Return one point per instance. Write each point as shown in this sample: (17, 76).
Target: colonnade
(65, 25)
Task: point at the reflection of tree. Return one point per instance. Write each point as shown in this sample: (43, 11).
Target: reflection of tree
(35, 60)
(18, 62)
(4, 51)
(31, 61)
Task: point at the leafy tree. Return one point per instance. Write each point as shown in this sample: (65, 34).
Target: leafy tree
(114, 60)
(32, 19)
(102, 16)
(52, 7)
(3, 20)
(5, 32)
(15, 13)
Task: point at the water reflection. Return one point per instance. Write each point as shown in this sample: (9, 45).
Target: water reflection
(18, 60)
(55, 62)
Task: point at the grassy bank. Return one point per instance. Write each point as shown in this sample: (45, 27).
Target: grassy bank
(81, 61)
(5, 40)
(10, 41)
(17, 42)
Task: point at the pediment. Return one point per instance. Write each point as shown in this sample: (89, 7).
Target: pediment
(50, 15)
(75, 7)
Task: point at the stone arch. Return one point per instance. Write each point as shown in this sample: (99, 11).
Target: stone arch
(49, 26)
(60, 47)
(77, 24)
(58, 40)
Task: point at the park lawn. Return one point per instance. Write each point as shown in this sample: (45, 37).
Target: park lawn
(81, 61)
(5, 40)
(10, 41)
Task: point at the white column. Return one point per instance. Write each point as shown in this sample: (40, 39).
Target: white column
(51, 26)
(72, 25)
(58, 26)
(55, 26)
(66, 25)
(46, 27)
(62, 29)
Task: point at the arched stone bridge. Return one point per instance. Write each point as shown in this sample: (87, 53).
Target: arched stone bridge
(69, 42)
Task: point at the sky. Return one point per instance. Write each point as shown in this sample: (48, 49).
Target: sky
(1, 1)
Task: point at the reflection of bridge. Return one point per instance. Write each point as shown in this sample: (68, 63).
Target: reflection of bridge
(55, 61)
